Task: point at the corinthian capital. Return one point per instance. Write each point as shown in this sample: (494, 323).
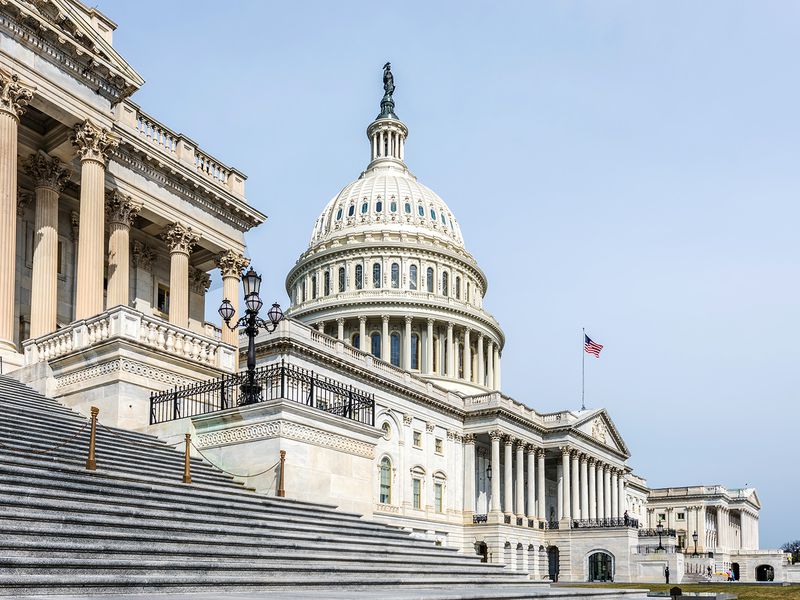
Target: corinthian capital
(14, 96)
(179, 238)
(92, 142)
(120, 208)
(142, 256)
(46, 170)
(231, 263)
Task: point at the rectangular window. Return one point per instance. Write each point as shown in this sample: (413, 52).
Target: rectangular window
(162, 299)
(662, 516)
(438, 488)
(681, 516)
(417, 439)
(417, 492)
(439, 446)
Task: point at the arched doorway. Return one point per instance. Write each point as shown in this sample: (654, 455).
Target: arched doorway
(601, 567)
(735, 571)
(552, 562)
(482, 550)
(765, 573)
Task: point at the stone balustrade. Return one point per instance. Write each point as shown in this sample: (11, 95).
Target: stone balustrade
(124, 323)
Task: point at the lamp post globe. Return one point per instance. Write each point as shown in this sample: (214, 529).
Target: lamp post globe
(694, 537)
(251, 281)
(226, 310)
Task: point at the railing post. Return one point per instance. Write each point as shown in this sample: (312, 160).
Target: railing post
(91, 465)
(175, 404)
(283, 379)
(187, 475)
(281, 488)
(373, 412)
(350, 403)
(152, 409)
(223, 402)
(311, 389)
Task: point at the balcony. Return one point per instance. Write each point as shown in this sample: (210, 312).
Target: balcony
(603, 523)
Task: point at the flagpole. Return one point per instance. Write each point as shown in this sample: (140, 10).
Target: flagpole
(583, 370)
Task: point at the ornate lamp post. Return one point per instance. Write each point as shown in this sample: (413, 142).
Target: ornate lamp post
(660, 530)
(694, 537)
(251, 282)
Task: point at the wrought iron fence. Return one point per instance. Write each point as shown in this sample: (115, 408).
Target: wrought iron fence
(596, 523)
(271, 382)
(654, 533)
(479, 519)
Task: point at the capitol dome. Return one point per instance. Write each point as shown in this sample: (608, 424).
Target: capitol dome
(387, 272)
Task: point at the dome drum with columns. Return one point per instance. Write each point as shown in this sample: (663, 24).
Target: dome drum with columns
(387, 271)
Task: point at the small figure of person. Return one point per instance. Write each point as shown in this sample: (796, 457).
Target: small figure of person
(709, 571)
(666, 574)
(626, 518)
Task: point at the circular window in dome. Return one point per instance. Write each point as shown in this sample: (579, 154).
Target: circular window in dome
(421, 210)
(364, 208)
(393, 206)
(379, 206)
(408, 208)
(352, 210)
(339, 214)
(433, 214)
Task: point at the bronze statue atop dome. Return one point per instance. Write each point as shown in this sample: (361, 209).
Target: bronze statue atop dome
(387, 103)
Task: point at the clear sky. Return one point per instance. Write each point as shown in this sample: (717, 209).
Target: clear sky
(628, 167)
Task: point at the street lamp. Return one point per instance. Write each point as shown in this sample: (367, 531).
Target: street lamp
(694, 537)
(251, 282)
(660, 530)
(489, 472)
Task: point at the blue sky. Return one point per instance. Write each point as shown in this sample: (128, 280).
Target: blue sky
(628, 167)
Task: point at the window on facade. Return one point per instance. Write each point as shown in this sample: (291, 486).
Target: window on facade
(376, 275)
(364, 208)
(445, 283)
(429, 280)
(356, 340)
(458, 287)
(662, 516)
(303, 292)
(327, 280)
(375, 343)
(378, 206)
(393, 206)
(342, 279)
(414, 351)
(395, 275)
(386, 481)
(339, 214)
(352, 210)
(417, 438)
(162, 298)
(438, 446)
(421, 210)
(460, 359)
(681, 516)
(359, 277)
(433, 214)
(438, 490)
(467, 296)
(412, 277)
(444, 221)
(313, 287)
(407, 208)
(416, 487)
(394, 342)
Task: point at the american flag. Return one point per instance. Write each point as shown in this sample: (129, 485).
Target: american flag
(591, 347)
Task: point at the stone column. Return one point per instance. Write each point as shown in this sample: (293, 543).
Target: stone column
(362, 334)
(508, 473)
(592, 489)
(407, 345)
(489, 365)
(340, 328)
(601, 497)
(14, 97)
(608, 510)
(622, 503)
(429, 348)
(231, 264)
(540, 484)
(386, 348)
(49, 176)
(469, 474)
(467, 356)
(180, 240)
(451, 358)
(497, 383)
(584, 485)
(565, 492)
(575, 486)
(120, 212)
(481, 366)
(531, 496)
(520, 480)
(93, 145)
(495, 499)
(614, 493)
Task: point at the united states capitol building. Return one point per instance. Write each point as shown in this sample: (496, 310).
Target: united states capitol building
(382, 384)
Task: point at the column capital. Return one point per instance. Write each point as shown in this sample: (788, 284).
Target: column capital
(409, 318)
(509, 441)
(430, 322)
(429, 426)
(469, 439)
(540, 453)
(574, 454)
(231, 263)
(179, 238)
(592, 461)
(362, 319)
(583, 457)
(495, 434)
(142, 256)
(520, 444)
(565, 450)
(199, 281)
(385, 318)
(92, 142)
(120, 208)
(450, 328)
(47, 171)
(407, 419)
(340, 320)
(531, 449)
(24, 198)
(14, 95)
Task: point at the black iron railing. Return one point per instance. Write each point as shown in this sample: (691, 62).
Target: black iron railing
(279, 380)
(655, 549)
(479, 519)
(548, 524)
(596, 523)
(654, 533)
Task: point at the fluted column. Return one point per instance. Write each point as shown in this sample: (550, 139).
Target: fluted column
(407, 345)
(531, 452)
(575, 486)
(520, 480)
(497, 382)
(14, 97)
(429, 348)
(540, 513)
(340, 328)
(584, 487)
(489, 365)
(362, 333)
(49, 176)
(467, 356)
(385, 346)
(93, 145)
(180, 241)
(469, 474)
(592, 489)
(621, 494)
(231, 264)
(608, 511)
(601, 497)
(450, 353)
(565, 492)
(481, 367)
(614, 494)
(120, 212)
(495, 499)
(508, 473)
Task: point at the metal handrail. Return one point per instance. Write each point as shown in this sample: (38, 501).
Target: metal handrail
(610, 522)
(273, 382)
(654, 533)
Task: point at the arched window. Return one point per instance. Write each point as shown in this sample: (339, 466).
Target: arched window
(342, 279)
(327, 280)
(444, 221)
(376, 275)
(356, 340)
(386, 481)
(376, 344)
(364, 208)
(378, 206)
(352, 210)
(414, 351)
(421, 210)
(303, 292)
(407, 208)
(458, 287)
(433, 214)
(359, 277)
(468, 290)
(444, 358)
(412, 277)
(429, 280)
(393, 206)
(339, 214)
(313, 286)
(445, 283)
(395, 275)
(460, 358)
(394, 342)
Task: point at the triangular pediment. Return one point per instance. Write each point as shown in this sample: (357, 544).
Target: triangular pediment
(599, 426)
